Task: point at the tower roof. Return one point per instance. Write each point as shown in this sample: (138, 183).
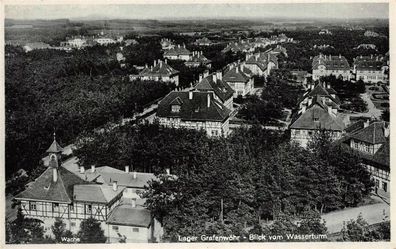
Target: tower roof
(54, 147)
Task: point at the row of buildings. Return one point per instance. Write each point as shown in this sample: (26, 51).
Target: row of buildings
(74, 194)
(319, 110)
(250, 45)
(370, 69)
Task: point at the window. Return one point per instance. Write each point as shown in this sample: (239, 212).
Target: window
(385, 186)
(71, 207)
(32, 206)
(88, 208)
(55, 207)
(175, 108)
(376, 183)
(72, 224)
(215, 132)
(135, 230)
(115, 228)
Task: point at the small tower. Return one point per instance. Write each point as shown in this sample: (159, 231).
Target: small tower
(54, 154)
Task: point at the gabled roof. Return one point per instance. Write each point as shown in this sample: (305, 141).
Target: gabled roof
(318, 110)
(96, 193)
(126, 179)
(237, 74)
(128, 216)
(204, 40)
(220, 88)
(178, 50)
(45, 189)
(373, 134)
(321, 90)
(161, 69)
(199, 58)
(195, 109)
(369, 63)
(331, 62)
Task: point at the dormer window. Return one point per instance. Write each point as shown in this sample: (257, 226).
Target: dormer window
(175, 108)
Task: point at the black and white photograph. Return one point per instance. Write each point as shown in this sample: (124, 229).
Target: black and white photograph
(195, 122)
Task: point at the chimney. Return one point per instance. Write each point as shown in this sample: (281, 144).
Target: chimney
(133, 202)
(190, 95)
(206, 73)
(146, 65)
(329, 110)
(328, 85)
(167, 171)
(126, 168)
(312, 86)
(371, 56)
(214, 77)
(386, 130)
(367, 123)
(339, 56)
(335, 111)
(92, 168)
(82, 169)
(303, 109)
(134, 174)
(309, 101)
(208, 100)
(155, 63)
(219, 75)
(237, 69)
(200, 78)
(115, 186)
(54, 174)
(166, 61)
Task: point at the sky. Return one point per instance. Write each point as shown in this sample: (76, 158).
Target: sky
(180, 11)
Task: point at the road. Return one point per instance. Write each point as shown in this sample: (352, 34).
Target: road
(372, 110)
(371, 213)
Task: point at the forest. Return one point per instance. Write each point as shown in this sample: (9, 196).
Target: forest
(233, 183)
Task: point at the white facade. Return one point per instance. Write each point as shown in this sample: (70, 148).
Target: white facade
(241, 88)
(104, 41)
(212, 128)
(303, 137)
(323, 71)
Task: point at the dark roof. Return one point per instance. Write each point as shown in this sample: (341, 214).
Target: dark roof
(369, 63)
(198, 57)
(355, 127)
(220, 88)
(44, 188)
(128, 216)
(373, 134)
(195, 109)
(325, 120)
(321, 90)
(96, 193)
(160, 69)
(237, 74)
(54, 147)
(331, 62)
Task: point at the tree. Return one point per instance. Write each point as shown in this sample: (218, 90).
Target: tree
(91, 231)
(58, 229)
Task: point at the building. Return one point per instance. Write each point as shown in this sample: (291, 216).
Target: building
(129, 42)
(314, 117)
(240, 79)
(194, 110)
(240, 46)
(203, 42)
(76, 194)
(323, 65)
(366, 46)
(166, 44)
(261, 64)
(300, 76)
(178, 53)
(104, 41)
(323, 91)
(198, 59)
(370, 69)
(372, 141)
(279, 50)
(369, 33)
(35, 46)
(160, 71)
(325, 32)
(77, 42)
(214, 83)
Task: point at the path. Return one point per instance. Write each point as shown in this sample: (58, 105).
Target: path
(372, 110)
(371, 213)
